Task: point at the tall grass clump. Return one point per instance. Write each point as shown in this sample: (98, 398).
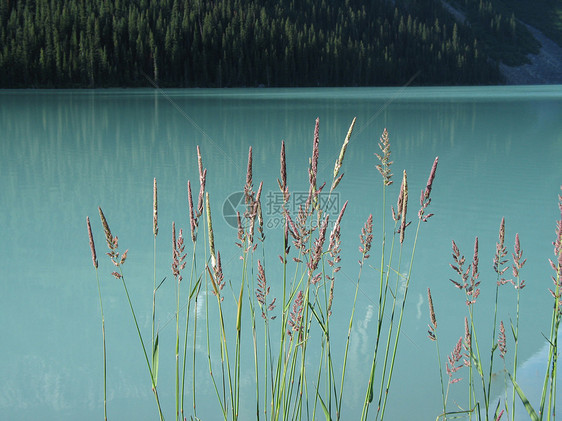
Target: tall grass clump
(118, 259)
(478, 360)
(298, 369)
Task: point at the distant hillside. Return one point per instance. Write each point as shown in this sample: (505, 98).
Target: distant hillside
(227, 43)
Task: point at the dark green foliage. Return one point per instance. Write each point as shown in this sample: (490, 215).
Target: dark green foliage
(502, 36)
(545, 15)
(87, 43)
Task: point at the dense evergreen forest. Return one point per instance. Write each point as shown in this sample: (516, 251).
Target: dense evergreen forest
(227, 43)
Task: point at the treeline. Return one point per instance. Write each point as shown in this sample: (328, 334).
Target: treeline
(227, 43)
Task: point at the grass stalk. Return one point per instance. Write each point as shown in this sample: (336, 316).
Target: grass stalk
(95, 264)
(193, 292)
(193, 370)
(398, 329)
(344, 364)
(155, 233)
(155, 390)
(104, 350)
(434, 337)
(118, 260)
(515, 352)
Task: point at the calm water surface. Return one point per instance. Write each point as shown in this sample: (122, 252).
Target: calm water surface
(64, 153)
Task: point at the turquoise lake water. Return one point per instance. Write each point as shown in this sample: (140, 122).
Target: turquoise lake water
(64, 153)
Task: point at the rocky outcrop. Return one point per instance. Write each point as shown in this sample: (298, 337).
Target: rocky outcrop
(544, 67)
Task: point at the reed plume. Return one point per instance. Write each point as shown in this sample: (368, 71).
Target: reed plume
(178, 256)
(313, 172)
(425, 199)
(429, 184)
(432, 318)
(295, 319)
(248, 192)
(299, 230)
(334, 244)
(113, 245)
(499, 257)
(458, 268)
(108, 237)
(92, 245)
(472, 290)
(518, 261)
(501, 341)
(366, 238)
(219, 276)
(259, 212)
(403, 210)
(337, 177)
(262, 291)
(283, 169)
(252, 215)
(202, 181)
(192, 220)
(210, 232)
(334, 250)
(452, 361)
(385, 162)
(316, 253)
(240, 230)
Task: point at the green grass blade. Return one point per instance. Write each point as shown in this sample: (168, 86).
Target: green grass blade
(532, 414)
(155, 359)
(320, 322)
(195, 289)
(326, 412)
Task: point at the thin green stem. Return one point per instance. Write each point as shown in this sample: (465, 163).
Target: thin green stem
(478, 359)
(349, 335)
(187, 316)
(382, 306)
(177, 349)
(153, 295)
(104, 350)
(494, 340)
(441, 375)
(551, 395)
(515, 352)
(142, 344)
(390, 329)
(193, 371)
(400, 320)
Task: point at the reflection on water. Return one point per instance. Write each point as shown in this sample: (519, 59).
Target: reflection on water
(63, 153)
